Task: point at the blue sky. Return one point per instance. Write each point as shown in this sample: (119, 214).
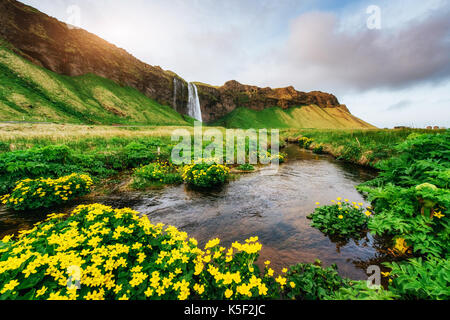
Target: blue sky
(396, 75)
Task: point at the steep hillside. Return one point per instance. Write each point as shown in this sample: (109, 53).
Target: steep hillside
(296, 117)
(82, 62)
(32, 93)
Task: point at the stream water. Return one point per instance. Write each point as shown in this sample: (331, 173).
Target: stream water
(272, 206)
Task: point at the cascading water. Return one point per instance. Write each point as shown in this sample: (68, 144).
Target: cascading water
(175, 93)
(193, 106)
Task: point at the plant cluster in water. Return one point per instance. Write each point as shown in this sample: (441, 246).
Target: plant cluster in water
(342, 219)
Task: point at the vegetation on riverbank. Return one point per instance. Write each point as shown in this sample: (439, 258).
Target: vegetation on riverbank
(411, 205)
(364, 147)
(40, 193)
(100, 253)
(410, 201)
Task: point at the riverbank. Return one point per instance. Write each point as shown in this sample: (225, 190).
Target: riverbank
(362, 147)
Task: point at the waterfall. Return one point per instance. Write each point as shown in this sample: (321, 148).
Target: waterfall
(193, 106)
(175, 93)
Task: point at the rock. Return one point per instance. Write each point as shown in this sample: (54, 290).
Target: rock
(216, 102)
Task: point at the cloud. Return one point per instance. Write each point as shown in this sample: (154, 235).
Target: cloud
(319, 54)
(399, 105)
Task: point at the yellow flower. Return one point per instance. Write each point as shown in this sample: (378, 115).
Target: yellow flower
(401, 245)
(368, 213)
(282, 281)
(7, 238)
(148, 293)
(199, 288)
(292, 284)
(341, 217)
(9, 286)
(438, 215)
(228, 293)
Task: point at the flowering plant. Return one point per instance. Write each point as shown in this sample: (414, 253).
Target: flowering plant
(205, 175)
(156, 173)
(45, 193)
(342, 219)
(305, 142)
(103, 253)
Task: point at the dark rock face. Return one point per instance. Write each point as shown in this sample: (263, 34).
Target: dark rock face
(216, 102)
(54, 45)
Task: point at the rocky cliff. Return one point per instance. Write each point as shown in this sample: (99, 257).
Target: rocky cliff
(217, 102)
(54, 45)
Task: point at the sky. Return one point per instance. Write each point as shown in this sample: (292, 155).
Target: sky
(387, 60)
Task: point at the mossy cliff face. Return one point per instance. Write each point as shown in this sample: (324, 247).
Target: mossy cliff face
(217, 102)
(65, 50)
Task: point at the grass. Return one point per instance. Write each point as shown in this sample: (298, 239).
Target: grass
(31, 93)
(298, 117)
(365, 147)
(26, 135)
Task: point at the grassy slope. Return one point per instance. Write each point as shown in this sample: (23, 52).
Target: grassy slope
(299, 117)
(31, 93)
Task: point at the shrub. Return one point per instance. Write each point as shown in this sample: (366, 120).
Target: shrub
(246, 167)
(319, 149)
(49, 161)
(156, 173)
(269, 157)
(305, 142)
(205, 175)
(343, 219)
(114, 254)
(421, 279)
(359, 290)
(45, 193)
(399, 213)
(52, 162)
(311, 282)
(138, 153)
